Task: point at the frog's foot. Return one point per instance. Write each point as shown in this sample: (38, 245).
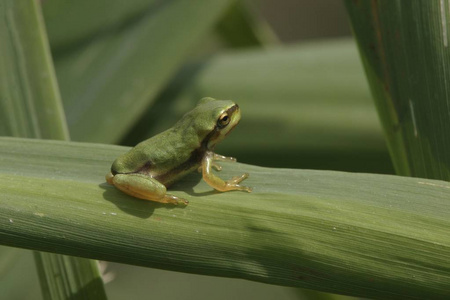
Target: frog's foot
(144, 187)
(168, 198)
(233, 183)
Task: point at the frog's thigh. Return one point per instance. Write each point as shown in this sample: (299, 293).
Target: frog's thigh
(143, 187)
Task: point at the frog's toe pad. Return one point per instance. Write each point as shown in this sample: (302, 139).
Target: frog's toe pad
(234, 183)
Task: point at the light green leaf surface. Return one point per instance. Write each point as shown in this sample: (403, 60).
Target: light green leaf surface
(307, 106)
(123, 69)
(360, 234)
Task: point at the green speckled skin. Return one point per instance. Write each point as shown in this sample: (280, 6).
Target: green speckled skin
(179, 150)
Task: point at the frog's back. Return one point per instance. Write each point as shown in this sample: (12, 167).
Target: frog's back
(165, 157)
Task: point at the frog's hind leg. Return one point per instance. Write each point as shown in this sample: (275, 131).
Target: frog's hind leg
(144, 187)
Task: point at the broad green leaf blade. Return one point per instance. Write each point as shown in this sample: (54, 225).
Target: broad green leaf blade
(376, 236)
(307, 106)
(29, 98)
(123, 69)
(405, 49)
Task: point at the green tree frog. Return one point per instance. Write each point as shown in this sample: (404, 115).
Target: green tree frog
(151, 166)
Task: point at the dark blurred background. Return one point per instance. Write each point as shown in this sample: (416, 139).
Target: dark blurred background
(300, 20)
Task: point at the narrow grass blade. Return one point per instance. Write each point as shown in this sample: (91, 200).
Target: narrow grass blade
(405, 49)
(376, 236)
(29, 98)
(73, 276)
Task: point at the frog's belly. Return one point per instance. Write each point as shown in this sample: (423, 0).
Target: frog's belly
(168, 178)
(166, 175)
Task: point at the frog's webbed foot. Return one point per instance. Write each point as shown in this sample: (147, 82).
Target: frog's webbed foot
(233, 183)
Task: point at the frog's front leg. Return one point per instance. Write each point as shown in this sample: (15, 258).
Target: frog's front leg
(216, 182)
(143, 187)
(216, 165)
(223, 158)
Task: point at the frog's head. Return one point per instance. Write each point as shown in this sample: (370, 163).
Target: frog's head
(214, 120)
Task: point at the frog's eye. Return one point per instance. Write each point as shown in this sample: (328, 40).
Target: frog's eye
(223, 121)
